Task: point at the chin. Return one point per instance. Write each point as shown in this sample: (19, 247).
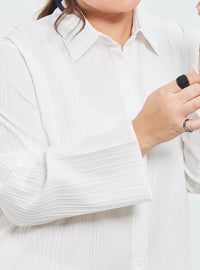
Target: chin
(113, 6)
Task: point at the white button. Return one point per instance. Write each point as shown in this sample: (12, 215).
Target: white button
(140, 261)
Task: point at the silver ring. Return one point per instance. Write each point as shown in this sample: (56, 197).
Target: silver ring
(184, 126)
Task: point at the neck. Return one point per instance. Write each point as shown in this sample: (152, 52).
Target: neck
(115, 25)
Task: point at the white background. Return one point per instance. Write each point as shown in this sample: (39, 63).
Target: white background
(181, 11)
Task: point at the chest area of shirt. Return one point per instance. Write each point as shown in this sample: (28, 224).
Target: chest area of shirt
(91, 95)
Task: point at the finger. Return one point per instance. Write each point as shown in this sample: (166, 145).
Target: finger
(190, 106)
(189, 93)
(198, 7)
(193, 77)
(193, 124)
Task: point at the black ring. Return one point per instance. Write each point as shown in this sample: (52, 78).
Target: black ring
(182, 81)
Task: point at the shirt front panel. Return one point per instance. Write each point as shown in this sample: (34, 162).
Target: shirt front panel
(97, 93)
(93, 93)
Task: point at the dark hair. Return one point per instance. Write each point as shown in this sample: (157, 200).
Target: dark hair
(70, 8)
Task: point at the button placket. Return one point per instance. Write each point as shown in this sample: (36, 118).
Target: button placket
(123, 74)
(131, 106)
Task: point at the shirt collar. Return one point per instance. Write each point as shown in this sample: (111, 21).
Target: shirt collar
(88, 36)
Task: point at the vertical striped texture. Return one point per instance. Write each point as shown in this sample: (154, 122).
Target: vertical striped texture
(39, 185)
(75, 191)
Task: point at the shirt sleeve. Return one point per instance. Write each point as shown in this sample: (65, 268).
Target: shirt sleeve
(191, 141)
(40, 182)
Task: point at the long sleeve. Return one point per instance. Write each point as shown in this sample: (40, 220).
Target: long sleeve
(39, 182)
(191, 141)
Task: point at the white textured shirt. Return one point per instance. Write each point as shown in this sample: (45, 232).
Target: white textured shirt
(75, 191)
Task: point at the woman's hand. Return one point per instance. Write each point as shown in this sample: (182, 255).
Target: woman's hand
(164, 111)
(198, 7)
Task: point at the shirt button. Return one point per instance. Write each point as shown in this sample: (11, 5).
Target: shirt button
(139, 261)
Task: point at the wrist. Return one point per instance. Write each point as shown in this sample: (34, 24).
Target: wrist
(145, 140)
